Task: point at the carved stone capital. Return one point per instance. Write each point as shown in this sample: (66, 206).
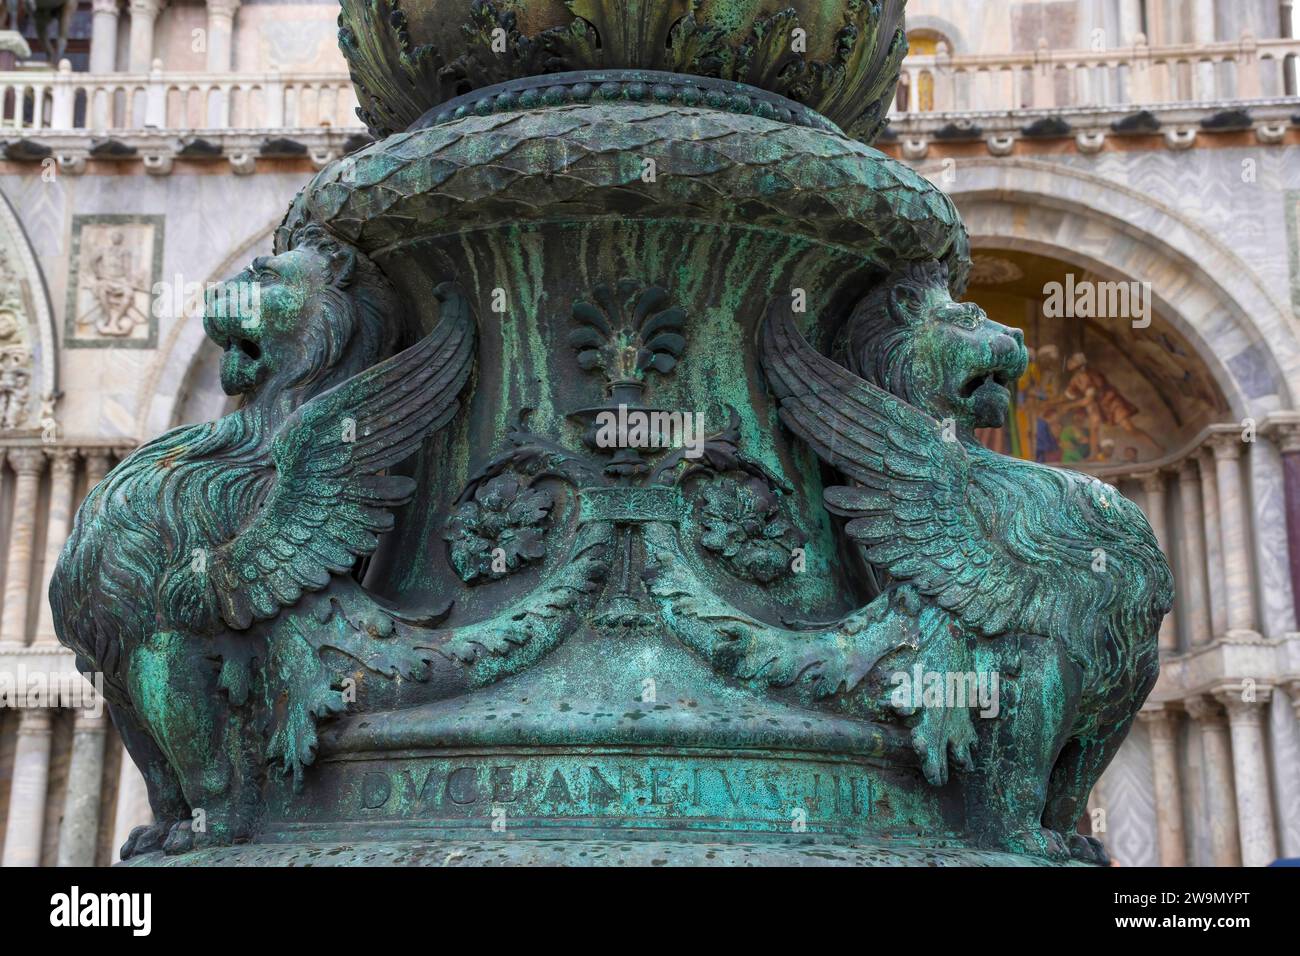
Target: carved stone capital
(1205, 710)
(26, 461)
(1153, 482)
(145, 8)
(1189, 471)
(222, 10)
(34, 722)
(1226, 446)
(63, 462)
(98, 462)
(1244, 711)
(113, 7)
(1161, 722)
(1286, 435)
(86, 722)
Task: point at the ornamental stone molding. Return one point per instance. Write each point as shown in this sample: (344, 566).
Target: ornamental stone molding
(28, 349)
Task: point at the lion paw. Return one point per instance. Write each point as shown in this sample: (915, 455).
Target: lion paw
(180, 838)
(943, 736)
(148, 838)
(1049, 844)
(1087, 849)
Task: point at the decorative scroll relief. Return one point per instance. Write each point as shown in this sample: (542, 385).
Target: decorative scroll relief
(116, 260)
(27, 363)
(15, 356)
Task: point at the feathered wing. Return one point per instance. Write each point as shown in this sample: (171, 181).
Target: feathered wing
(329, 499)
(912, 513)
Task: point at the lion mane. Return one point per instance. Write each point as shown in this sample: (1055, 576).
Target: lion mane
(1045, 516)
(142, 534)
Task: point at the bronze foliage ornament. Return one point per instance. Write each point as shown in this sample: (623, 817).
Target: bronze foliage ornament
(840, 59)
(606, 471)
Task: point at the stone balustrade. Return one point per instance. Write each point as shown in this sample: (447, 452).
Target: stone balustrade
(58, 101)
(1123, 78)
(1137, 75)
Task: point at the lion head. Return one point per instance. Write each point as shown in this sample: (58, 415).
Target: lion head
(304, 320)
(910, 338)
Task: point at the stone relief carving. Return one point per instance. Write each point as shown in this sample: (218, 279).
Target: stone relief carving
(15, 353)
(116, 260)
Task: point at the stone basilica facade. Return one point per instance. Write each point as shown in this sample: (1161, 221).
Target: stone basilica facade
(1129, 171)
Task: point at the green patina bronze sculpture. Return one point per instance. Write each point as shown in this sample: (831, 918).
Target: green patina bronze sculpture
(548, 530)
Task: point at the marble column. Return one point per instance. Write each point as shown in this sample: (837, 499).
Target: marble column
(1153, 486)
(1130, 21)
(1157, 25)
(1195, 599)
(1213, 545)
(1204, 25)
(1238, 567)
(27, 463)
(31, 776)
(103, 35)
(1250, 774)
(221, 28)
(144, 13)
(1220, 799)
(63, 479)
(98, 462)
(1288, 443)
(79, 832)
(132, 803)
(1162, 725)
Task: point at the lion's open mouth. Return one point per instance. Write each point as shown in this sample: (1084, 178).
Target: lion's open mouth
(976, 382)
(247, 347)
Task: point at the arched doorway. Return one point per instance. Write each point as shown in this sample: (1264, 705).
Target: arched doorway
(1110, 381)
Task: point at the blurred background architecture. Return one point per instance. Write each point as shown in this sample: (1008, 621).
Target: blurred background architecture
(1146, 150)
